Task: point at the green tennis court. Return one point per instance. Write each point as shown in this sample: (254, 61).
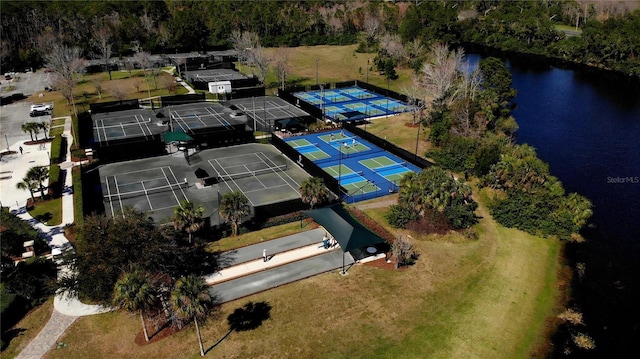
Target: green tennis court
(384, 166)
(344, 143)
(308, 149)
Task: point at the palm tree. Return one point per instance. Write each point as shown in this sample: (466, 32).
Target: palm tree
(39, 174)
(27, 127)
(313, 191)
(233, 207)
(188, 217)
(27, 183)
(134, 292)
(191, 300)
(44, 127)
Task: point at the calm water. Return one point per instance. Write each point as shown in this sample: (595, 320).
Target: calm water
(587, 127)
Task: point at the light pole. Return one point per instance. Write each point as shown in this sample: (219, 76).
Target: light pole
(387, 95)
(417, 138)
(367, 70)
(317, 59)
(339, 172)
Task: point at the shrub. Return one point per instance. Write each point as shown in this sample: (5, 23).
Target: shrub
(55, 181)
(56, 146)
(398, 215)
(78, 207)
(58, 149)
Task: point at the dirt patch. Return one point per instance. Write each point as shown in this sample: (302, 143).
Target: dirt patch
(411, 125)
(383, 264)
(165, 332)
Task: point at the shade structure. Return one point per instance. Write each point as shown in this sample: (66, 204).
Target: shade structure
(177, 136)
(352, 236)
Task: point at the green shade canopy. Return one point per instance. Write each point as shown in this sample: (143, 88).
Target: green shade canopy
(350, 233)
(176, 136)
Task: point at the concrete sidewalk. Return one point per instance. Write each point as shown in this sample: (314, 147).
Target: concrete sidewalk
(66, 309)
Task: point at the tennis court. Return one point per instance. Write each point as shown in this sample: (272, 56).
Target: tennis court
(266, 110)
(363, 170)
(202, 115)
(159, 184)
(352, 103)
(308, 149)
(353, 182)
(130, 124)
(386, 167)
(159, 188)
(263, 177)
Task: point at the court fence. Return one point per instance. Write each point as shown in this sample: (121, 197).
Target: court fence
(412, 158)
(182, 99)
(308, 165)
(288, 96)
(113, 106)
(382, 91)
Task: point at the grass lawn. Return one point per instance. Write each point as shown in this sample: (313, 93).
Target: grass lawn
(246, 239)
(28, 328)
(335, 64)
(48, 212)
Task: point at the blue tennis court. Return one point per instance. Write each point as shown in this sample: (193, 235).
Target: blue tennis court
(352, 103)
(363, 170)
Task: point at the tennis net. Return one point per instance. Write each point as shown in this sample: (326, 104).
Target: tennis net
(146, 191)
(345, 176)
(232, 176)
(390, 167)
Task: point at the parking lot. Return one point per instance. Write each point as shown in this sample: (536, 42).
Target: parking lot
(14, 115)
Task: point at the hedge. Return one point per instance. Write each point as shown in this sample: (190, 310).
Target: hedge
(55, 181)
(58, 149)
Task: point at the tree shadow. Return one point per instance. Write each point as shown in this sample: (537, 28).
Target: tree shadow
(249, 317)
(44, 218)
(8, 336)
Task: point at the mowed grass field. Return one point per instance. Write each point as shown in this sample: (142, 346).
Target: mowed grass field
(484, 298)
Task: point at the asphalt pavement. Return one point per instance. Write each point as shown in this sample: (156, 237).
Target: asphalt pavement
(280, 275)
(252, 252)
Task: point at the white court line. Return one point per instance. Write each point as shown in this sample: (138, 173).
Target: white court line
(254, 176)
(171, 188)
(279, 173)
(115, 180)
(175, 178)
(146, 195)
(232, 180)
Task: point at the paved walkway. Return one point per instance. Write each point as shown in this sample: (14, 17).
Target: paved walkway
(66, 309)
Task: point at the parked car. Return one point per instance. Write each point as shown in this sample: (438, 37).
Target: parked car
(40, 109)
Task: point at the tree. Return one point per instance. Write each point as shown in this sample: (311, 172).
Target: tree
(402, 250)
(118, 92)
(190, 299)
(313, 191)
(28, 127)
(440, 72)
(102, 40)
(66, 62)
(97, 84)
(135, 293)
(282, 69)
(233, 207)
(188, 218)
(143, 59)
(435, 189)
(38, 174)
(30, 185)
(497, 80)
